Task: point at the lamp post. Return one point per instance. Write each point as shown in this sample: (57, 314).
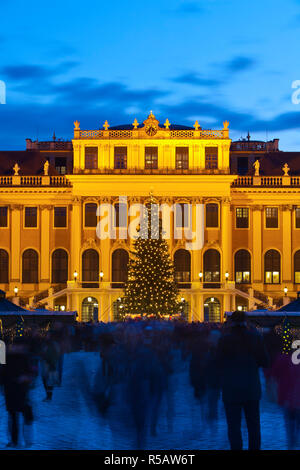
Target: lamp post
(285, 290)
(226, 276)
(101, 274)
(16, 299)
(75, 275)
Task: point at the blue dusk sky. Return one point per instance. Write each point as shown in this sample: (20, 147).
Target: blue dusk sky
(212, 60)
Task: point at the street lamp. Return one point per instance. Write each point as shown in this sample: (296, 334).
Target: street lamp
(63, 308)
(240, 308)
(285, 290)
(16, 290)
(75, 275)
(226, 275)
(182, 299)
(200, 276)
(101, 274)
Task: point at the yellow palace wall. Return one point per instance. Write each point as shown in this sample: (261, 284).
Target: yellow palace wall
(194, 187)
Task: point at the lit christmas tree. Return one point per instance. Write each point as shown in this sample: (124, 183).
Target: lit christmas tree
(150, 289)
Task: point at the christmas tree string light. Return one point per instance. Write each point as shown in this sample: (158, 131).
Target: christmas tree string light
(287, 337)
(151, 289)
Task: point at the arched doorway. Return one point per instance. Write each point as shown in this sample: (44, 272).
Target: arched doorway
(212, 310)
(89, 309)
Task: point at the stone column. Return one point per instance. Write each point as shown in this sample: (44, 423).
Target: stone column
(15, 233)
(45, 244)
(287, 244)
(76, 230)
(257, 244)
(226, 239)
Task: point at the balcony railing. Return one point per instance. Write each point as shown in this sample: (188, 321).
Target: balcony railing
(266, 181)
(152, 171)
(57, 181)
(162, 133)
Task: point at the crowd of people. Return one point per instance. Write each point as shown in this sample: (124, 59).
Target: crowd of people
(137, 360)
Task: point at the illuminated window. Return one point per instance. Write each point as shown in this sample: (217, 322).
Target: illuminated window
(30, 217)
(242, 262)
(61, 165)
(211, 263)
(182, 265)
(212, 215)
(151, 158)
(297, 267)
(90, 215)
(182, 158)
(91, 158)
(3, 216)
(271, 217)
(211, 158)
(272, 267)
(120, 158)
(242, 217)
(60, 217)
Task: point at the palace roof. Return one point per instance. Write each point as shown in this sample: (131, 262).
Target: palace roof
(31, 162)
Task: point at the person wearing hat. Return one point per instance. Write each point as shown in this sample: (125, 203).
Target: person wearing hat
(240, 354)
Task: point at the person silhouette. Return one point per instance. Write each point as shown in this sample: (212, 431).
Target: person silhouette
(240, 353)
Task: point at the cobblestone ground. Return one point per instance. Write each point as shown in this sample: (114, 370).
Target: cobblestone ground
(69, 422)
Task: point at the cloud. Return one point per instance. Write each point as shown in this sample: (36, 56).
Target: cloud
(239, 64)
(192, 78)
(190, 8)
(30, 72)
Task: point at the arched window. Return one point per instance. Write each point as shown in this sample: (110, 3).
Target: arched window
(242, 261)
(89, 309)
(272, 267)
(211, 263)
(212, 310)
(3, 267)
(90, 267)
(297, 267)
(119, 263)
(182, 264)
(30, 267)
(59, 266)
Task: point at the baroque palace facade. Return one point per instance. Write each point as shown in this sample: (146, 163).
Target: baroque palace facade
(51, 256)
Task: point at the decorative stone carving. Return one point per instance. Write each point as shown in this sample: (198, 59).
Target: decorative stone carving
(285, 169)
(256, 165)
(16, 169)
(46, 168)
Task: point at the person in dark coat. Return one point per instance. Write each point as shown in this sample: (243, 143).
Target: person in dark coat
(240, 353)
(16, 376)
